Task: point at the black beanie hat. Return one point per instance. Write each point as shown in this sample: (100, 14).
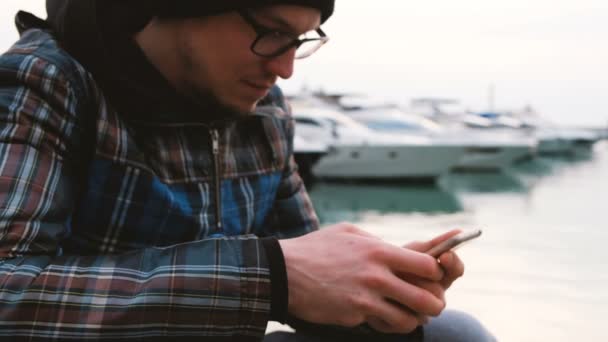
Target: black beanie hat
(193, 8)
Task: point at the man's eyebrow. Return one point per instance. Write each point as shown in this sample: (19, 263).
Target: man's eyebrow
(282, 23)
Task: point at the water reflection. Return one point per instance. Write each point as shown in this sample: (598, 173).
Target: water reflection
(540, 169)
(348, 202)
(520, 178)
(483, 182)
(536, 167)
(351, 201)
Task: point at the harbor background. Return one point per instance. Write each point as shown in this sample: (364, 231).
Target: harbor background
(538, 273)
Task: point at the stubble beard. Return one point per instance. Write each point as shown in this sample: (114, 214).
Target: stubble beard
(211, 105)
(204, 98)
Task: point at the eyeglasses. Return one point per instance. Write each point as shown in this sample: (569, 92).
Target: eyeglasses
(272, 43)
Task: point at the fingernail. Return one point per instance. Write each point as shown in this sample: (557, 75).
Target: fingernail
(441, 272)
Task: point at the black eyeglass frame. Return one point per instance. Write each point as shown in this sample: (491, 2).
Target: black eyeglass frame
(262, 31)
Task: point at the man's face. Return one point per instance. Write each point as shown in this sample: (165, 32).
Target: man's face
(212, 57)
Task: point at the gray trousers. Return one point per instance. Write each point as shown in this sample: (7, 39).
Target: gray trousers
(450, 326)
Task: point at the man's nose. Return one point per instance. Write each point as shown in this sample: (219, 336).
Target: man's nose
(282, 65)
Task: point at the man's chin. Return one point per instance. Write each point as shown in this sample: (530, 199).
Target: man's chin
(242, 109)
(226, 109)
(233, 110)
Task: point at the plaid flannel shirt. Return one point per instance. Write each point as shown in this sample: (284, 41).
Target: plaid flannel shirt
(117, 229)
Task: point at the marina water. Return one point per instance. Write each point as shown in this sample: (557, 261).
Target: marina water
(538, 272)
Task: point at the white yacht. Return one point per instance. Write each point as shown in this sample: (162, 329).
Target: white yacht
(524, 125)
(554, 139)
(485, 150)
(307, 153)
(358, 152)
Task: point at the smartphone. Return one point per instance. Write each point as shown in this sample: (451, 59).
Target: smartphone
(453, 242)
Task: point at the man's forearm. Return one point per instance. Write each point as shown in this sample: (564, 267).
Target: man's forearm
(207, 288)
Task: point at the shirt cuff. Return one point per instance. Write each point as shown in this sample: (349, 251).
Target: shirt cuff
(278, 280)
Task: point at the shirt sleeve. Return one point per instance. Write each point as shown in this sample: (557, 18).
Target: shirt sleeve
(217, 288)
(292, 213)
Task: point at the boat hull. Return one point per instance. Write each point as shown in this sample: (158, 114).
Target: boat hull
(388, 162)
(492, 158)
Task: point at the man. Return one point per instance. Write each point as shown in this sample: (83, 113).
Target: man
(149, 190)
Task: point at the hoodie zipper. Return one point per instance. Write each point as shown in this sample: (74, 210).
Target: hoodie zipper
(215, 142)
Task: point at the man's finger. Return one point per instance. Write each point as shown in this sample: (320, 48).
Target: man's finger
(453, 267)
(400, 260)
(423, 246)
(436, 288)
(408, 295)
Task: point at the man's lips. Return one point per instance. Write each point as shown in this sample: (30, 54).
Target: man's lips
(260, 89)
(259, 85)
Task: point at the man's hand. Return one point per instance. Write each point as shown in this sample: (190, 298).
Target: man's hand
(450, 262)
(345, 276)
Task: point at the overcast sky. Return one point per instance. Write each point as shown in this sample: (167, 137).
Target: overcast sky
(551, 54)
